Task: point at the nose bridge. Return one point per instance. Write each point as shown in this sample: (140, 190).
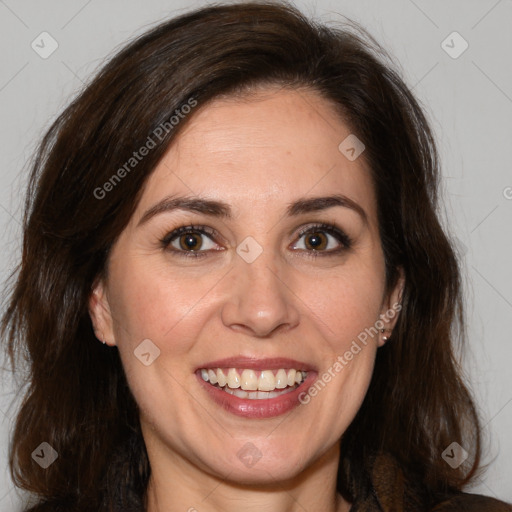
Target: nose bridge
(261, 274)
(255, 260)
(259, 299)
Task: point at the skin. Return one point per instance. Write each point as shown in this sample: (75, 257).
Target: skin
(258, 154)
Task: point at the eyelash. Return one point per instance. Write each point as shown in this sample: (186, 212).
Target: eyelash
(331, 229)
(203, 230)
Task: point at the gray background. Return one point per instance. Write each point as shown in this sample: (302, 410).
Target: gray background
(467, 99)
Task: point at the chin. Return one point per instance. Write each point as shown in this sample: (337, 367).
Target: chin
(252, 466)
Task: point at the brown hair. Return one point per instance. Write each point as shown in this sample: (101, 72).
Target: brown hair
(78, 399)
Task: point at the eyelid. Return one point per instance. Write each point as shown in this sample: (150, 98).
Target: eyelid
(205, 230)
(175, 233)
(332, 229)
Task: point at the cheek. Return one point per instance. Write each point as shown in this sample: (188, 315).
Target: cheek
(150, 302)
(344, 306)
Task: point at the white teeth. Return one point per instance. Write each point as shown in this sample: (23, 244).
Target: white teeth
(237, 392)
(233, 379)
(260, 395)
(249, 380)
(281, 379)
(221, 378)
(212, 377)
(267, 381)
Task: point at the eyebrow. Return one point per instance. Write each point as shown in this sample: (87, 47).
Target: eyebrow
(315, 204)
(223, 210)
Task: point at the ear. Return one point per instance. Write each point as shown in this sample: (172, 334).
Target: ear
(99, 311)
(391, 307)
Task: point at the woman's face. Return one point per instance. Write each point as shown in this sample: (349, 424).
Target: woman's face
(277, 269)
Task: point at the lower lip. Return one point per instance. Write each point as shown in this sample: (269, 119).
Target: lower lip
(248, 408)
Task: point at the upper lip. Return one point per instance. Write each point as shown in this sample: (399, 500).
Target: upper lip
(254, 363)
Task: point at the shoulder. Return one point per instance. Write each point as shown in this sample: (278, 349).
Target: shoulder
(392, 491)
(465, 502)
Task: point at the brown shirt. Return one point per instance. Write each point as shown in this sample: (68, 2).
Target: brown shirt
(392, 494)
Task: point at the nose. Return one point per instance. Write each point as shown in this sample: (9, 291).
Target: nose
(260, 301)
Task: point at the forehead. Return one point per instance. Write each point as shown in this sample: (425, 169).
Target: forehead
(266, 148)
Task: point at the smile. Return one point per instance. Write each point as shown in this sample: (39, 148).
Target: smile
(256, 388)
(254, 384)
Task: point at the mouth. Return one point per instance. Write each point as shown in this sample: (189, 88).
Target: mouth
(256, 388)
(254, 384)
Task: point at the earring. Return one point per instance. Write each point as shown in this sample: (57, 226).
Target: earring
(385, 338)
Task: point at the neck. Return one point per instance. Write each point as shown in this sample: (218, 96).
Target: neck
(178, 485)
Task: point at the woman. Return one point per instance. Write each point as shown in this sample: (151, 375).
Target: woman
(241, 208)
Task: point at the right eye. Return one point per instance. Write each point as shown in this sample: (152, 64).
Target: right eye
(190, 241)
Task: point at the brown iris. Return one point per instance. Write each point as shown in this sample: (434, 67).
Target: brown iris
(316, 240)
(190, 242)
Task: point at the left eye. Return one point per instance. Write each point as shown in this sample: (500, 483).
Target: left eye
(321, 240)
